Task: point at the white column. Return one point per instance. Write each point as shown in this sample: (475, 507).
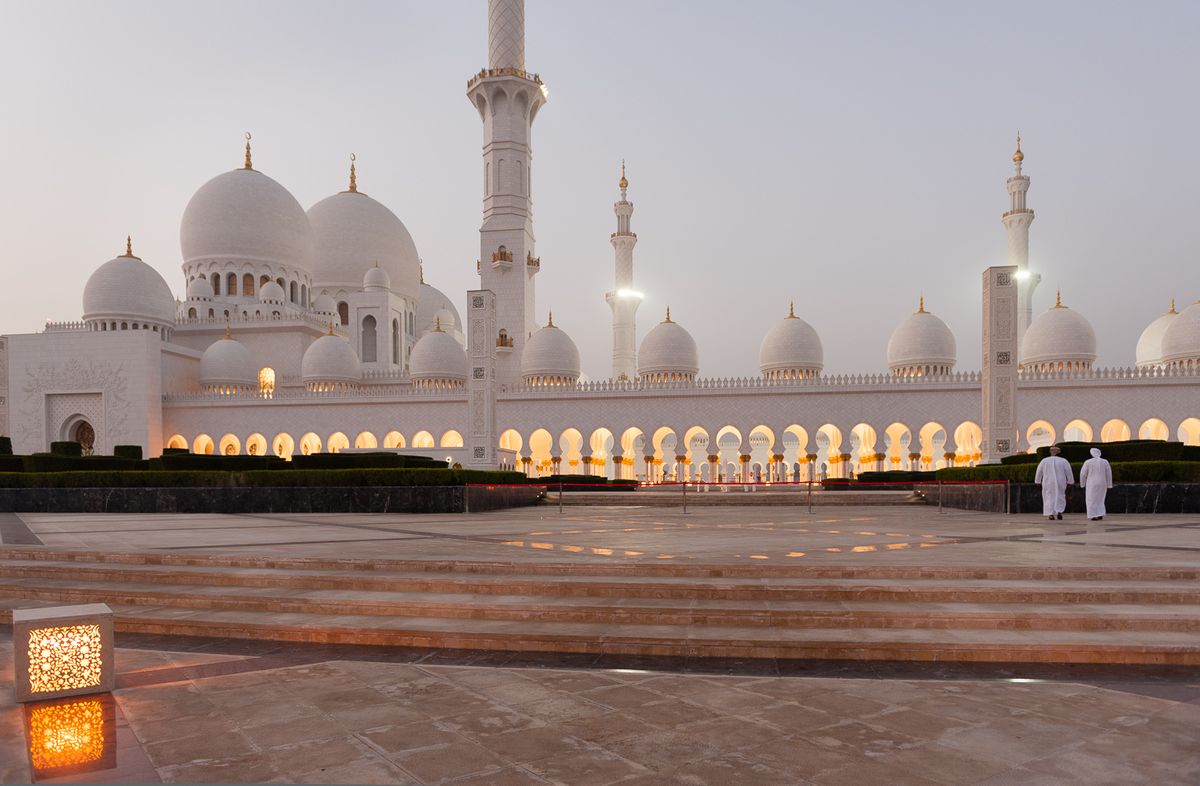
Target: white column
(999, 392)
(481, 382)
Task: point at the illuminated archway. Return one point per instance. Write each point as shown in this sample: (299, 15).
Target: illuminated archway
(1040, 434)
(829, 449)
(256, 445)
(968, 443)
(283, 446)
(338, 442)
(365, 441)
(203, 445)
(310, 443)
(1115, 430)
(230, 445)
(600, 443)
(393, 439)
(933, 445)
(1189, 431)
(423, 439)
(897, 440)
(1154, 428)
(451, 439)
(1077, 431)
(570, 445)
(540, 443)
(177, 442)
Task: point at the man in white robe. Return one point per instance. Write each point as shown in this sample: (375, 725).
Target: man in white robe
(1054, 474)
(1096, 479)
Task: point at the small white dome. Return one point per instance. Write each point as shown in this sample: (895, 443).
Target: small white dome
(1058, 339)
(1150, 344)
(271, 292)
(328, 362)
(377, 280)
(227, 364)
(199, 289)
(126, 288)
(324, 303)
(352, 232)
(437, 359)
(430, 304)
(1181, 342)
(922, 345)
(668, 353)
(550, 357)
(791, 350)
(244, 216)
(446, 319)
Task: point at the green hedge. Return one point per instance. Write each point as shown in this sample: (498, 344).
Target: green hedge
(128, 452)
(1123, 472)
(895, 476)
(50, 462)
(73, 449)
(254, 478)
(5, 446)
(1128, 450)
(12, 463)
(178, 462)
(365, 461)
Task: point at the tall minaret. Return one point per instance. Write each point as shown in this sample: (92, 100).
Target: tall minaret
(508, 99)
(623, 300)
(1016, 220)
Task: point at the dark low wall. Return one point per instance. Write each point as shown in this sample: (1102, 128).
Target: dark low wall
(1027, 498)
(301, 499)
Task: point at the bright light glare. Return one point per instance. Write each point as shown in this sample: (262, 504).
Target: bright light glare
(629, 293)
(1022, 275)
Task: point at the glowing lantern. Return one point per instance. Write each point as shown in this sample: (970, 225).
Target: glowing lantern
(62, 651)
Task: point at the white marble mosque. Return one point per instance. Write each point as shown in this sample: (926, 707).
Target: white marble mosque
(307, 331)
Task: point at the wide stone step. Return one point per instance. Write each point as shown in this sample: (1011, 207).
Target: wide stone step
(643, 611)
(630, 569)
(732, 495)
(1164, 648)
(764, 589)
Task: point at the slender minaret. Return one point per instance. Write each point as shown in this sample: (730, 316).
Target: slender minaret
(623, 300)
(508, 99)
(1016, 220)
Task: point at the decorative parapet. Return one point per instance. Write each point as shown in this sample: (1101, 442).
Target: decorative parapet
(65, 327)
(532, 261)
(303, 395)
(319, 321)
(487, 73)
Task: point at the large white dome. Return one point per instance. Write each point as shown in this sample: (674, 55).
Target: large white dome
(352, 232)
(791, 350)
(922, 345)
(1058, 339)
(227, 364)
(245, 217)
(550, 357)
(438, 360)
(1150, 344)
(668, 353)
(125, 289)
(329, 362)
(1181, 342)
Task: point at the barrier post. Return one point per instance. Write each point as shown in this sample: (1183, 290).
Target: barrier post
(466, 498)
(939, 496)
(685, 498)
(810, 493)
(560, 497)
(1008, 497)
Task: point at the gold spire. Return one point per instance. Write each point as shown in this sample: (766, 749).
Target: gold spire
(354, 181)
(549, 319)
(421, 269)
(624, 184)
(921, 305)
(668, 319)
(247, 165)
(791, 310)
(129, 248)
(330, 333)
(228, 331)
(1172, 311)
(1018, 156)
(437, 324)
(1058, 299)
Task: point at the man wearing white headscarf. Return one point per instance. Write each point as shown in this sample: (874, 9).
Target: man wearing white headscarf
(1054, 474)
(1096, 479)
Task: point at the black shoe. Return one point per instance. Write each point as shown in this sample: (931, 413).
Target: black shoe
(1095, 518)
(1052, 518)
(1059, 517)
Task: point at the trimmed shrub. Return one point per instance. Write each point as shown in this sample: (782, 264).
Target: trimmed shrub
(6, 446)
(66, 449)
(896, 476)
(1129, 450)
(106, 479)
(128, 452)
(1123, 472)
(365, 461)
(573, 480)
(50, 462)
(177, 462)
(12, 463)
(1021, 458)
(352, 477)
(175, 451)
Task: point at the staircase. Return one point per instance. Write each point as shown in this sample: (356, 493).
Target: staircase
(1001, 614)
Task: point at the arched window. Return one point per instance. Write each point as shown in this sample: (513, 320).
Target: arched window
(247, 285)
(344, 313)
(216, 283)
(292, 292)
(231, 287)
(266, 381)
(211, 313)
(263, 280)
(191, 313)
(395, 342)
(304, 295)
(368, 353)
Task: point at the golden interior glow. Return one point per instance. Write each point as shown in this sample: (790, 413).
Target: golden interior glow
(64, 658)
(69, 734)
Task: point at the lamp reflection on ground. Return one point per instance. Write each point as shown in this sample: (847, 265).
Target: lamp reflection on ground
(69, 736)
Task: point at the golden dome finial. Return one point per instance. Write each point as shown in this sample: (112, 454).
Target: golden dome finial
(248, 165)
(330, 333)
(921, 305)
(1018, 156)
(624, 184)
(437, 324)
(668, 319)
(1172, 311)
(1058, 299)
(354, 178)
(791, 310)
(549, 319)
(228, 330)
(129, 248)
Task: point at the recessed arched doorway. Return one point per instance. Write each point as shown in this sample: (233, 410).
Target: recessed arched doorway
(83, 433)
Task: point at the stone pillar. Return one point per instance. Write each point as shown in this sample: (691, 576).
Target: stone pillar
(914, 462)
(881, 462)
(587, 464)
(481, 387)
(744, 467)
(811, 467)
(847, 462)
(528, 462)
(714, 467)
(1000, 347)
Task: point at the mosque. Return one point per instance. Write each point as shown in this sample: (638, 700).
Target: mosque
(308, 331)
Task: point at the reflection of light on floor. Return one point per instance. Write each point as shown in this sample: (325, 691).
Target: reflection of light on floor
(795, 554)
(541, 545)
(603, 552)
(665, 556)
(895, 546)
(833, 548)
(66, 734)
(866, 533)
(862, 548)
(759, 556)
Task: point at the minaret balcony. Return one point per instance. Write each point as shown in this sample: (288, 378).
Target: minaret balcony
(533, 263)
(1018, 212)
(488, 73)
(502, 258)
